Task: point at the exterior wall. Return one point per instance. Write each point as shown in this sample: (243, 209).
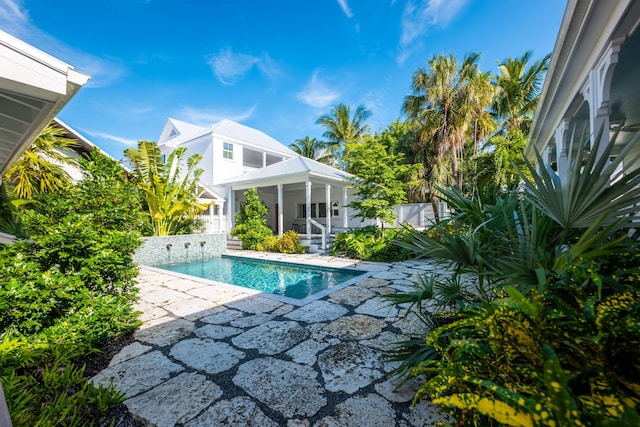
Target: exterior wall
(224, 169)
(172, 249)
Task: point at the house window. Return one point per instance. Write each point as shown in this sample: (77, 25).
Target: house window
(318, 210)
(227, 150)
(335, 211)
(322, 210)
(302, 210)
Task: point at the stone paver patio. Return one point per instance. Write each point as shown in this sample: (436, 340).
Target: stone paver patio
(219, 355)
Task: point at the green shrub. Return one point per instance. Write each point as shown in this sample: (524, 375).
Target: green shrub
(251, 225)
(368, 244)
(287, 244)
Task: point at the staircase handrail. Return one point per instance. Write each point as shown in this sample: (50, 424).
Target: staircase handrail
(323, 231)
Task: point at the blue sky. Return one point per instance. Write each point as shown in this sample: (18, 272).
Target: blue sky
(274, 65)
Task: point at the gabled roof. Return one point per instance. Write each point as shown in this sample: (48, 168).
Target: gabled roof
(295, 170)
(176, 132)
(249, 136)
(34, 86)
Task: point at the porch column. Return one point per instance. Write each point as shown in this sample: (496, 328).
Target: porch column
(327, 189)
(231, 210)
(221, 217)
(264, 159)
(345, 202)
(562, 152)
(597, 92)
(210, 225)
(308, 213)
(280, 211)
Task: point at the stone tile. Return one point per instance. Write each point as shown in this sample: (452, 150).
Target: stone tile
(216, 332)
(287, 308)
(377, 307)
(298, 423)
(411, 325)
(286, 387)
(370, 411)
(351, 295)
(162, 296)
(393, 391)
(355, 327)
(349, 367)
(175, 401)
(222, 315)
(385, 341)
(206, 355)
(317, 311)
(139, 374)
(272, 337)
(182, 285)
(211, 293)
(402, 287)
(372, 283)
(190, 309)
(254, 304)
(306, 352)
(164, 331)
(149, 311)
(389, 275)
(425, 413)
(129, 352)
(239, 411)
(385, 290)
(249, 321)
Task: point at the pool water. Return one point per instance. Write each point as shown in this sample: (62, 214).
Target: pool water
(280, 278)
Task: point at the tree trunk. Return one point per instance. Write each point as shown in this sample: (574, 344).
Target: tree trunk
(434, 206)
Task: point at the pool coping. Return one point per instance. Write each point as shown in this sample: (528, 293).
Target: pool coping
(367, 269)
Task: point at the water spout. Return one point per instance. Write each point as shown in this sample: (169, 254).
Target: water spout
(169, 245)
(187, 244)
(202, 243)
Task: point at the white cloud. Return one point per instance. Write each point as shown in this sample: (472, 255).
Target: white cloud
(118, 139)
(15, 20)
(316, 94)
(205, 117)
(419, 16)
(230, 67)
(373, 101)
(345, 8)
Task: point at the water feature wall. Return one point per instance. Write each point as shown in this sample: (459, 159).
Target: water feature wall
(172, 249)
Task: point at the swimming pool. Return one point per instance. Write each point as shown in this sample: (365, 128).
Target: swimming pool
(279, 278)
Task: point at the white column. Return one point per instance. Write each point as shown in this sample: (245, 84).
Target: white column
(345, 202)
(562, 151)
(221, 217)
(264, 159)
(231, 210)
(280, 211)
(308, 216)
(210, 225)
(327, 189)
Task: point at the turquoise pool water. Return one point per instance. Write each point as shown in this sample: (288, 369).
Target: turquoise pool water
(280, 278)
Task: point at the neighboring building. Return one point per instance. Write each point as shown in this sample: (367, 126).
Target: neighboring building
(33, 89)
(237, 157)
(593, 81)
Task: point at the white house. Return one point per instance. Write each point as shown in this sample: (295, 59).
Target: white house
(593, 81)
(237, 157)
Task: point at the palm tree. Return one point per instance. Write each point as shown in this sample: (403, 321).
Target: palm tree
(343, 128)
(312, 148)
(41, 168)
(447, 98)
(170, 193)
(517, 91)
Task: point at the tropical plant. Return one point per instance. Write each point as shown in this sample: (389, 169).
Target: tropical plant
(251, 224)
(313, 149)
(169, 191)
(380, 181)
(447, 97)
(550, 326)
(40, 169)
(289, 243)
(366, 243)
(344, 128)
(518, 90)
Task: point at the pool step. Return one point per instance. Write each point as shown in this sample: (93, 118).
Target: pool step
(314, 245)
(234, 244)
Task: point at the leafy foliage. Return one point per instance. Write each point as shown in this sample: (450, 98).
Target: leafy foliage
(545, 332)
(287, 244)
(343, 128)
(368, 244)
(169, 191)
(251, 224)
(64, 292)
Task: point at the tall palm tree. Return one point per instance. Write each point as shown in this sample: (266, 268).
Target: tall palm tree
(40, 169)
(342, 128)
(518, 88)
(447, 97)
(312, 148)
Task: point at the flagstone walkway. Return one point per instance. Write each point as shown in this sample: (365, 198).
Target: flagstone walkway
(220, 355)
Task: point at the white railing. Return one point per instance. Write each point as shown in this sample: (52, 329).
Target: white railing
(215, 224)
(323, 232)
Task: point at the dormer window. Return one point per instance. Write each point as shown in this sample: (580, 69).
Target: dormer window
(173, 133)
(227, 150)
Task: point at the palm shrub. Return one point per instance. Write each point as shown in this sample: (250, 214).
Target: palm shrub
(368, 244)
(251, 224)
(551, 338)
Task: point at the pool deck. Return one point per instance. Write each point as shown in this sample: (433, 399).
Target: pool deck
(211, 354)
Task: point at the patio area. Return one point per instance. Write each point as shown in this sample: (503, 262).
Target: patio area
(215, 354)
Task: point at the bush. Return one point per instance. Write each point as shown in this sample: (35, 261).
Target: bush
(63, 293)
(251, 225)
(367, 244)
(287, 244)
